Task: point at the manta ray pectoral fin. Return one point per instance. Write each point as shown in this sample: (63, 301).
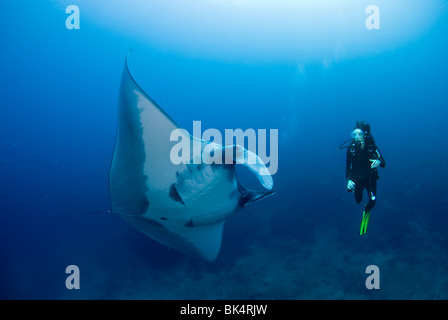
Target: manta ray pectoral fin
(206, 240)
(203, 241)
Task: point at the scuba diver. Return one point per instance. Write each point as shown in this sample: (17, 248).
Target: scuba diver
(363, 159)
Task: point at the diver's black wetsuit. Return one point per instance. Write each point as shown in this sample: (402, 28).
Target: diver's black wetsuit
(358, 169)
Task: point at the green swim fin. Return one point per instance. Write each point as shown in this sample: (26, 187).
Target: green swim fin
(364, 222)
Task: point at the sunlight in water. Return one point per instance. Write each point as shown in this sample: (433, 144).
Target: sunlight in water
(269, 30)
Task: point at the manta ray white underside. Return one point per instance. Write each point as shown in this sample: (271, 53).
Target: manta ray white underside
(183, 206)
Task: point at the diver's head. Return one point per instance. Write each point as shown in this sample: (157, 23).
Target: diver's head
(358, 135)
(361, 132)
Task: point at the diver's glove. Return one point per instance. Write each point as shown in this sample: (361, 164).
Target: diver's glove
(350, 185)
(375, 163)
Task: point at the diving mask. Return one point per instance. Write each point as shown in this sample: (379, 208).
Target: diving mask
(358, 135)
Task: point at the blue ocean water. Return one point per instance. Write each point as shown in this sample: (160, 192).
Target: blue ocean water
(310, 70)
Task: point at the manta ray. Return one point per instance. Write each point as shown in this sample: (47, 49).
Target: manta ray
(183, 206)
